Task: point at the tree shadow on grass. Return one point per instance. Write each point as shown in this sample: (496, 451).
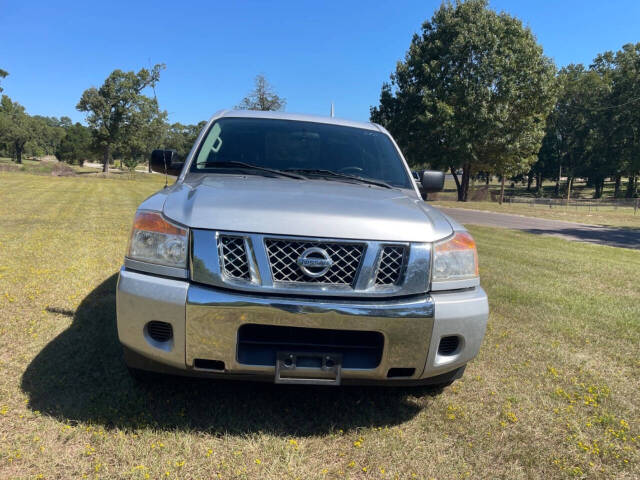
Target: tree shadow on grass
(80, 376)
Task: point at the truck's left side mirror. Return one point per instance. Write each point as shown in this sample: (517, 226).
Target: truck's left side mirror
(166, 161)
(432, 181)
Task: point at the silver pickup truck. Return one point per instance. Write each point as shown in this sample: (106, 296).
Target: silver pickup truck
(297, 249)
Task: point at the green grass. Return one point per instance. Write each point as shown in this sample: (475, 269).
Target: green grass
(553, 393)
(620, 217)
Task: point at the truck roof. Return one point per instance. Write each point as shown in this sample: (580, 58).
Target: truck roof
(298, 117)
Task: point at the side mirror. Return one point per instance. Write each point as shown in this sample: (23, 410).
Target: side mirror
(166, 160)
(432, 181)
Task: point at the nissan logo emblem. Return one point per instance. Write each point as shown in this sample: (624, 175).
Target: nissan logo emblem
(314, 262)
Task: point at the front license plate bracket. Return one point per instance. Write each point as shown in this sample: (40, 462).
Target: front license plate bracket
(308, 368)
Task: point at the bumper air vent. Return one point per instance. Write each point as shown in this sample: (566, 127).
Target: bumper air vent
(204, 364)
(448, 345)
(259, 344)
(400, 372)
(160, 331)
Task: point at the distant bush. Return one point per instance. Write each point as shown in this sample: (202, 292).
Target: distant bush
(62, 170)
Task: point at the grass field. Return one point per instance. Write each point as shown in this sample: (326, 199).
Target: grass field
(622, 217)
(553, 393)
(45, 168)
(580, 189)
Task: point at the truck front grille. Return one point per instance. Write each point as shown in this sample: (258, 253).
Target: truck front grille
(316, 266)
(284, 254)
(233, 257)
(391, 265)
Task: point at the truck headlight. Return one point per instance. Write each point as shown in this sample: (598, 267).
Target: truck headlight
(455, 259)
(155, 240)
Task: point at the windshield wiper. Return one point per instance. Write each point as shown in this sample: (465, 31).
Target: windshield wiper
(233, 164)
(331, 173)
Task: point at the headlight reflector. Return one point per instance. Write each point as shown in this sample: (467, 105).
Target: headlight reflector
(455, 259)
(155, 240)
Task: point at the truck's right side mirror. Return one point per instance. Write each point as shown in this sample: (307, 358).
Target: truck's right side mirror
(432, 181)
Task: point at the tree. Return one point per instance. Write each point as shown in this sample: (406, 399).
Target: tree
(473, 92)
(625, 105)
(76, 146)
(3, 74)
(182, 137)
(16, 127)
(145, 131)
(47, 136)
(262, 97)
(111, 107)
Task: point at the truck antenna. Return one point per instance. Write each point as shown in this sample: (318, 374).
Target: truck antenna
(332, 112)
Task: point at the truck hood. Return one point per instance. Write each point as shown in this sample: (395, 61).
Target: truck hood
(314, 207)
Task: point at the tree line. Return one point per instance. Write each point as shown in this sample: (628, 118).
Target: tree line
(475, 95)
(124, 121)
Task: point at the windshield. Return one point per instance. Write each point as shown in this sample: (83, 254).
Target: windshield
(301, 146)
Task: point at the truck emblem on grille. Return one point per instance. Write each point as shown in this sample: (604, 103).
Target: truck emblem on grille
(314, 262)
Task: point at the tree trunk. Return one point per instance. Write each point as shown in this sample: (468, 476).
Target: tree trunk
(538, 182)
(616, 189)
(631, 186)
(569, 184)
(529, 181)
(501, 190)
(458, 187)
(464, 186)
(105, 160)
(487, 179)
(598, 191)
(557, 189)
(19, 149)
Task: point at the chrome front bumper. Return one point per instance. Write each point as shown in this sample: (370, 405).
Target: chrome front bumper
(206, 320)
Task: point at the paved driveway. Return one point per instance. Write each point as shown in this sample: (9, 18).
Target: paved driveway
(612, 236)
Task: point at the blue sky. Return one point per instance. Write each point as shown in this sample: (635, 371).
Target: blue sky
(313, 52)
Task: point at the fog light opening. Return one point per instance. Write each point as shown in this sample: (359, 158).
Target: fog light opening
(159, 331)
(449, 345)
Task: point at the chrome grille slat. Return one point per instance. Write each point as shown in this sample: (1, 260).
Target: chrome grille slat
(284, 253)
(391, 263)
(233, 256)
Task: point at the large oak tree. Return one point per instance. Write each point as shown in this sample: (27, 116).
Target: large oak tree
(117, 104)
(472, 93)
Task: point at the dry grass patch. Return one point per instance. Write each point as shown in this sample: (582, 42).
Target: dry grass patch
(553, 393)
